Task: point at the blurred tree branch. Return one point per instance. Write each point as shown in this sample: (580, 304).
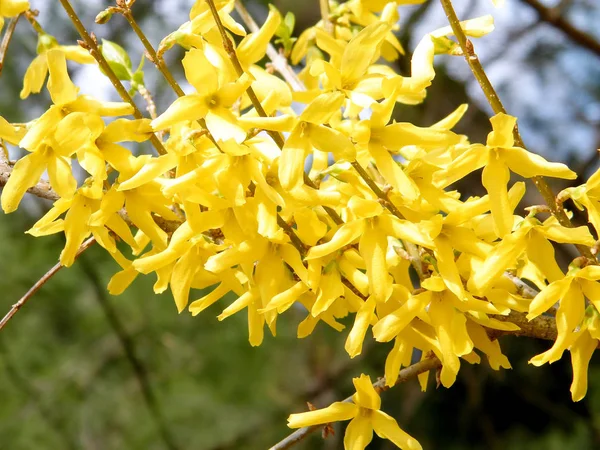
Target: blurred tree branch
(553, 16)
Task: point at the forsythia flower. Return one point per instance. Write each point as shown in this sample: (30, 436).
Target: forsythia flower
(316, 200)
(497, 157)
(11, 8)
(365, 417)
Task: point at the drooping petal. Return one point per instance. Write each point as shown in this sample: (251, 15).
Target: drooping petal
(359, 433)
(393, 173)
(291, 162)
(254, 46)
(25, 174)
(188, 107)
(581, 352)
(495, 178)
(357, 334)
(550, 295)
(373, 248)
(447, 266)
(529, 165)
(386, 427)
(61, 88)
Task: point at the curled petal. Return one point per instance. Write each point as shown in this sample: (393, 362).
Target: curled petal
(387, 428)
(359, 433)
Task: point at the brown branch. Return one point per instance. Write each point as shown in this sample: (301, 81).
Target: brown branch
(553, 17)
(491, 95)
(542, 327)
(89, 42)
(36, 287)
(8, 34)
(405, 374)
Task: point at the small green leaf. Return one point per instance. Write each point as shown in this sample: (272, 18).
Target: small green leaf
(117, 59)
(443, 45)
(290, 21)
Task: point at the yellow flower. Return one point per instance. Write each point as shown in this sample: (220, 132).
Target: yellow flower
(70, 125)
(569, 292)
(347, 70)
(79, 222)
(36, 72)
(380, 139)
(12, 8)
(531, 238)
(588, 196)
(365, 417)
(497, 157)
(217, 89)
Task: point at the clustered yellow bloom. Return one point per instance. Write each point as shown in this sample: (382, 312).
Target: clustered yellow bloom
(300, 225)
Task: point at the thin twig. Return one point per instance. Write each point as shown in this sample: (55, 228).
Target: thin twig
(553, 17)
(92, 47)
(490, 93)
(8, 34)
(36, 287)
(150, 105)
(405, 374)
(139, 369)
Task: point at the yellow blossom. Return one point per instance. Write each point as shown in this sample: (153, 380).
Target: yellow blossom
(365, 417)
(497, 157)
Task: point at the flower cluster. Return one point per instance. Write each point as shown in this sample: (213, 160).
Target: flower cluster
(314, 199)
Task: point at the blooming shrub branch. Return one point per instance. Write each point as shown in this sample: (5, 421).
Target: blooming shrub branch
(305, 193)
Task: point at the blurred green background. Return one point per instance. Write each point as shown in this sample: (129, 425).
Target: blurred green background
(80, 369)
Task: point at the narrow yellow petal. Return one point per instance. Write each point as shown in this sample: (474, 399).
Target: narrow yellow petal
(357, 334)
(61, 88)
(495, 178)
(334, 413)
(189, 107)
(291, 162)
(373, 248)
(366, 396)
(359, 433)
(344, 235)
(386, 427)
(550, 295)
(581, 353)
(25, 174)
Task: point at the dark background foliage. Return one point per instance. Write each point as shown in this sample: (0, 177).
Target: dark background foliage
(81, 369)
